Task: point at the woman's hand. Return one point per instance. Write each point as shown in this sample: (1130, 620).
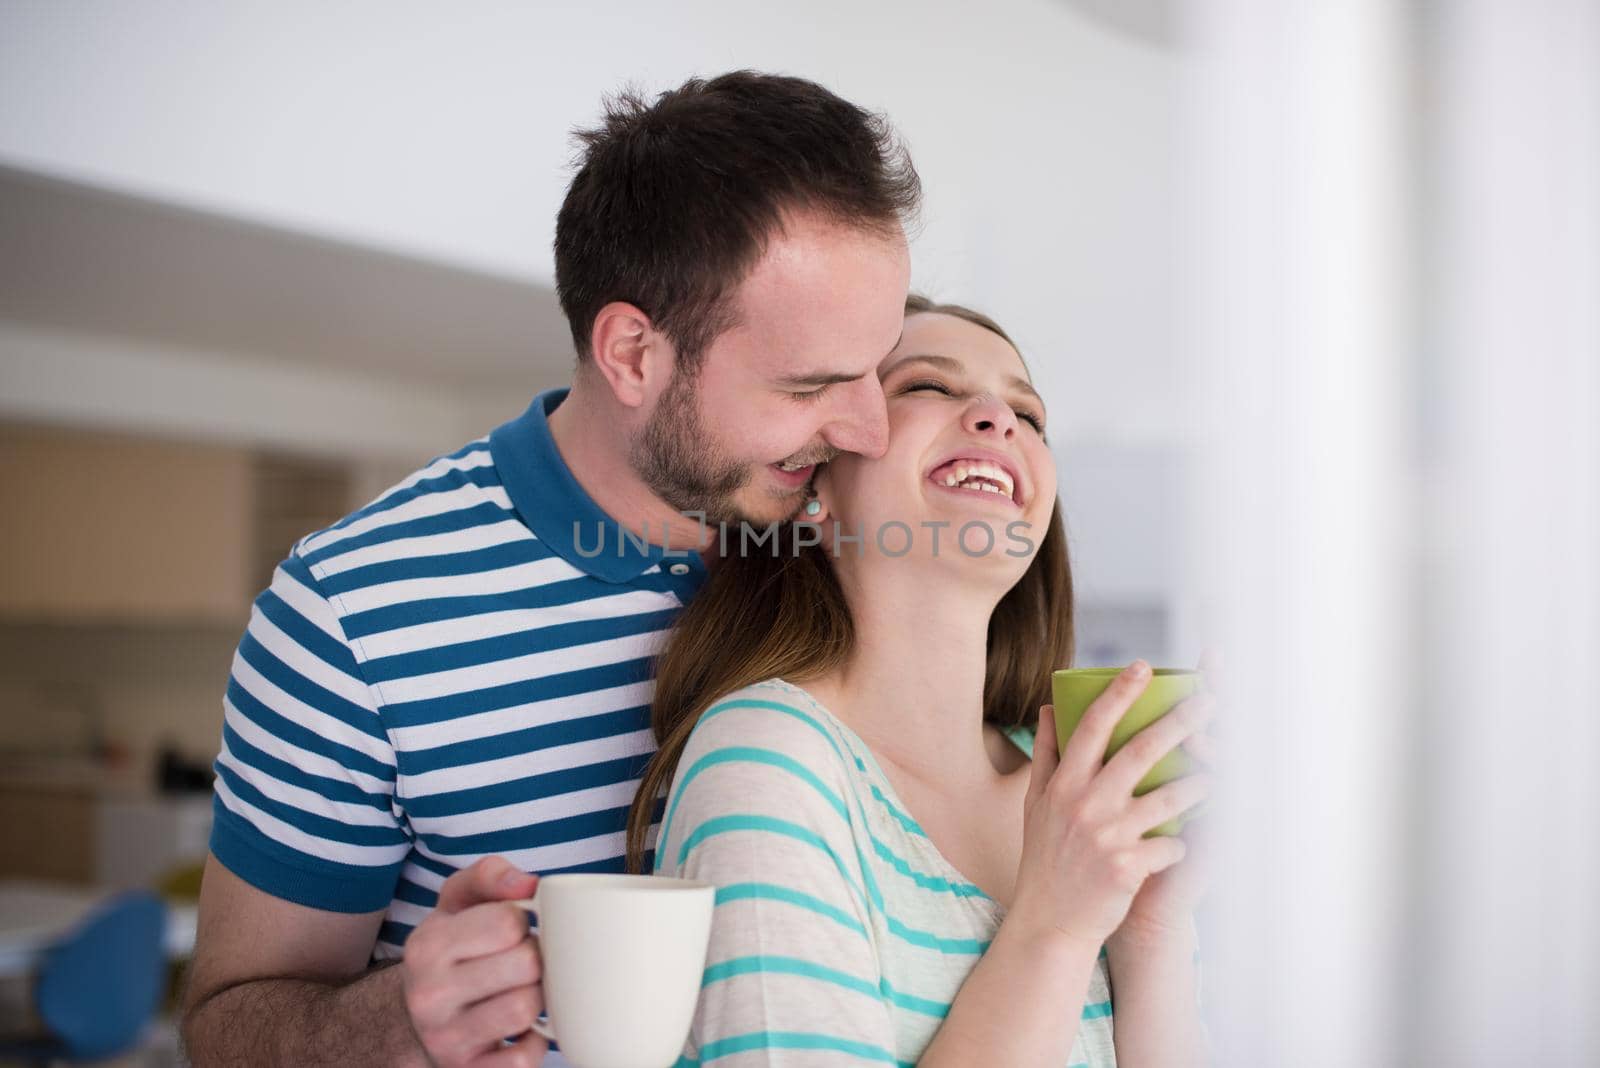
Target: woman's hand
(1163, 909)
(1084, 857)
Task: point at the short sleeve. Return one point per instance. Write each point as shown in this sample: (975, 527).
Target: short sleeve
(1021, 737)
(305, 788)
(760, 807)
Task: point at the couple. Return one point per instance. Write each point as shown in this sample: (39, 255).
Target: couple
(448, 693)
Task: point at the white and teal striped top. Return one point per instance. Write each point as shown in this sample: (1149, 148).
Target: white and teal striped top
(841, 934)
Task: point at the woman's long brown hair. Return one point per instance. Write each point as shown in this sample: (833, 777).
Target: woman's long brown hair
(765, 615)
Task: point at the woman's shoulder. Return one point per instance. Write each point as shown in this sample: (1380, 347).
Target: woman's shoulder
(773, 715)
(757, 755)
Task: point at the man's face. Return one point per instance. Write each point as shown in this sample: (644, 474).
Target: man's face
(793, 382)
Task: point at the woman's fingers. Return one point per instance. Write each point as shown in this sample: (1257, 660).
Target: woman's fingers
(1164, 803)
(1213, 675)
(1086, 748)
(1045, 757)
(1202, 747)
(1159, 854)
(1145, 749)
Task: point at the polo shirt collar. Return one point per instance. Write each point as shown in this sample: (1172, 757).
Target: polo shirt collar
(557, 509)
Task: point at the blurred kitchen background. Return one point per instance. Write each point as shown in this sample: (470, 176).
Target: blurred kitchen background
(261, 261)
(1309, 289)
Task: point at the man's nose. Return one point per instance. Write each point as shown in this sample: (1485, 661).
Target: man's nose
(863, 427)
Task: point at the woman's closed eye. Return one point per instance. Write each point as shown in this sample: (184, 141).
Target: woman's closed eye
(1032, 418)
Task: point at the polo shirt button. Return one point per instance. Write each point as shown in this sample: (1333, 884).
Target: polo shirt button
(679, 569)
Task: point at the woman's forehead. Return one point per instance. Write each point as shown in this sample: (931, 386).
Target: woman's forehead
(944, 338)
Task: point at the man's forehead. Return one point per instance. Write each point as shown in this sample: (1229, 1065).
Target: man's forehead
(832, 366)
(808, 339)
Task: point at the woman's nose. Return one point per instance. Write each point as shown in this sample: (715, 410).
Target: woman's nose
(991, 416)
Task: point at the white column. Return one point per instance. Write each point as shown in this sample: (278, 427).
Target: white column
(1507, 948)
(1299, 277)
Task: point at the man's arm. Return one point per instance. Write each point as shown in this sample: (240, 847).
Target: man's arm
(278, 983)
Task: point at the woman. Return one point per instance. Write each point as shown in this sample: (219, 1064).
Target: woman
(845, 729)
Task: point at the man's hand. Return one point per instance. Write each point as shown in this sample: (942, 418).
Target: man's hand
(472, 972)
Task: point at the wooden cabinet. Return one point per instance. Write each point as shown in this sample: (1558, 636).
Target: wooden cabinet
(79, 825)
(103, 528)
(47, 834)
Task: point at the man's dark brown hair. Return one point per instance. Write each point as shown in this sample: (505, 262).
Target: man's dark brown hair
(674, 201)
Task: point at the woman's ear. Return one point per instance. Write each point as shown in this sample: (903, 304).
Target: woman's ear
(818, 495)
(812, 510)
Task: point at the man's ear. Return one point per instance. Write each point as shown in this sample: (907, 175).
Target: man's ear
(635, 360)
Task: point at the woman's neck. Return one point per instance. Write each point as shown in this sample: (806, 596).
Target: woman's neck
(912, 688)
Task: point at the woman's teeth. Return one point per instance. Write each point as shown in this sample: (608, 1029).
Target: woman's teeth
(991, 478)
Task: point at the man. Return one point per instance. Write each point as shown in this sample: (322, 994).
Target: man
(446, 694)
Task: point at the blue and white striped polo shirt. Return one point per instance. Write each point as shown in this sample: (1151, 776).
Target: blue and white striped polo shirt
(441, 676)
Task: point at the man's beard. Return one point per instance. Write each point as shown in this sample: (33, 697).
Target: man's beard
(675, 458)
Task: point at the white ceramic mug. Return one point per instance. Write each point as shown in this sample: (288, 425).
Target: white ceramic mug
(623, 957)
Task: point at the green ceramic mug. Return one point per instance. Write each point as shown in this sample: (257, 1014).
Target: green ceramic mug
(1074, 691)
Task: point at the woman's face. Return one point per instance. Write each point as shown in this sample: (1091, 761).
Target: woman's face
(967, 472)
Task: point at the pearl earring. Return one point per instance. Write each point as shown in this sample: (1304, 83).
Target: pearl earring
(813, 507)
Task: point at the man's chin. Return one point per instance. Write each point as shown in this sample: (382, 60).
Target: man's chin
(762, 509)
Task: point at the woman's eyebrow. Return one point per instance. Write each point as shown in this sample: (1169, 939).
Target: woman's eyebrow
(1022, 385)
(955, 366)
(943, 363)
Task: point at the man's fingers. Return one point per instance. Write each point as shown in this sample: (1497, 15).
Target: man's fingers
(486, 976)
(475, 947)
(502, 1016)
(490, 879)
(526, 1052)
(481, 930)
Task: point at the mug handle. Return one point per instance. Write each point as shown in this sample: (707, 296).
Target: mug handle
(541, 1026)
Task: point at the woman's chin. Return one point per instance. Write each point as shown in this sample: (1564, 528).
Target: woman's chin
(973, 540)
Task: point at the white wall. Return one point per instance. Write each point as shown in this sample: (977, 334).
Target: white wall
(1044, 138)
(85, 380)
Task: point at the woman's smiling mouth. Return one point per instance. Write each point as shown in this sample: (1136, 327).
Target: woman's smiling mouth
(978, 475)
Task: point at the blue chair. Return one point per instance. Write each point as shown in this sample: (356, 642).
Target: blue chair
(97, 988)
